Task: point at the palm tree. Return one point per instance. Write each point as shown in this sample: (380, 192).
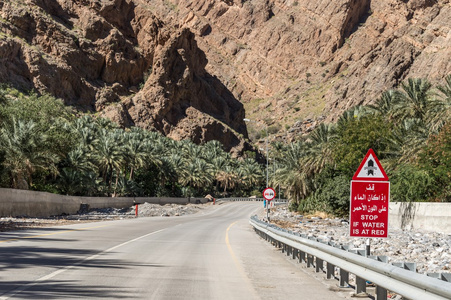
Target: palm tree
(292, 176)
(408, 140)
(79, 160)
(320, 152)
(213, 149)
(109, 154)
(218, 164)
(414, 99)
(386, 104)
(170, 168)
(228, 178)
(74, 182)
(446, 89)
(136, 152)
(197, 174)
(250, 173)
(25, 152)
(441, 106)
(189, 150)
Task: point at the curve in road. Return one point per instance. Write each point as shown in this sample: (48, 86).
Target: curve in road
(213, 254)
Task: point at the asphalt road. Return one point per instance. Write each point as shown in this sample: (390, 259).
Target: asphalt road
(213, 254)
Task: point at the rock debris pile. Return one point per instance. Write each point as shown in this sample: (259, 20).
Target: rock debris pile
(144, 210)
(431, 251)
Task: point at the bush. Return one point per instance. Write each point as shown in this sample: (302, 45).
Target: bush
(411, 184)
(332, 196)
(436, 160)
(355, 137)
(256, 193)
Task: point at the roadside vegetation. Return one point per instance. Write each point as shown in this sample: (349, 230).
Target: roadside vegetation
(47, 146)
(409, 129)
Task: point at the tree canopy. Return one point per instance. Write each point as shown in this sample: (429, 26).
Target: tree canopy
(47, 146)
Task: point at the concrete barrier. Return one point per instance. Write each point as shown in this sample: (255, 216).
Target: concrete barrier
(14, 203)
(405, 215)
(429, 216)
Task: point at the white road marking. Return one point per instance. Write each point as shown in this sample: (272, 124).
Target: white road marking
(57, 272)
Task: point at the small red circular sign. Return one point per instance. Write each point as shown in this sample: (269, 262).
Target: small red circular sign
(269, 194)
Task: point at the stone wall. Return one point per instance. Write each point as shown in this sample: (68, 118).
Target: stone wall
(15, 203)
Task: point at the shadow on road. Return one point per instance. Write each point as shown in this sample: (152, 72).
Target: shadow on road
(13, 258)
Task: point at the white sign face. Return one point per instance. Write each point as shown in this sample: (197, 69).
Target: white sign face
(269, 194)
(370, 169)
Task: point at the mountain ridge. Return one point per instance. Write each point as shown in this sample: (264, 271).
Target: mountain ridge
(196, 69)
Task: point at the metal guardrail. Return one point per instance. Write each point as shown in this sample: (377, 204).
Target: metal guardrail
(250, 199)
(396, 278)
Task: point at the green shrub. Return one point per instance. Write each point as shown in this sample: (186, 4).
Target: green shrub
(409, 183)
(256, 193)
(332, 196)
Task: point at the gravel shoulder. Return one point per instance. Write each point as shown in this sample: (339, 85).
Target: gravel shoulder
(431, 251)
(97, 215)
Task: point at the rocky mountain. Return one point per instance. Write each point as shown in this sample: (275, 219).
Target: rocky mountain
(195, 68)
(288, 61)
(119, 59)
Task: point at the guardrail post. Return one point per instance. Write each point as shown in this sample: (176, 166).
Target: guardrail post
(381, 293)
(319, 265)
(330, 271)
(344, 278)
(295, 253)
(309, 260)
(360, 285)
(406, 266)
(301, 256)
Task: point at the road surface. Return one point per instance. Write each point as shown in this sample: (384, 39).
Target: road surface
(213, 254)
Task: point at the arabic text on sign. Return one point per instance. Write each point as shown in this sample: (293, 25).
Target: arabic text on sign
(375, 197)
(369, 208)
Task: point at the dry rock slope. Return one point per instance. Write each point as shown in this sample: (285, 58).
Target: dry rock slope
(195, 69)
(290, 60)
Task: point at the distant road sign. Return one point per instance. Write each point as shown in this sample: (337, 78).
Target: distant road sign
(269, 194)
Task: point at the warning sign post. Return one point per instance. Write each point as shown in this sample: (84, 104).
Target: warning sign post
(370, 197)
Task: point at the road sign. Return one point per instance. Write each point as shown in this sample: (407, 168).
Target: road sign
(370, 169)
(269, 194)
(370, 197)
(369, 209)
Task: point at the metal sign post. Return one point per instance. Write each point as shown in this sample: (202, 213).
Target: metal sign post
(269, 194)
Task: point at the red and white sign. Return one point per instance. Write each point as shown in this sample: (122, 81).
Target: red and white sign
(370, 169)
(370, 197)
(269, 194)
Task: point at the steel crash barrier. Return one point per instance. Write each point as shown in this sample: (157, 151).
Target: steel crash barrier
(250, 199)
(337, 262)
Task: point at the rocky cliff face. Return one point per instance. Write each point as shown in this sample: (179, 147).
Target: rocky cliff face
(289, 60)
(118, 58)
(191, 68)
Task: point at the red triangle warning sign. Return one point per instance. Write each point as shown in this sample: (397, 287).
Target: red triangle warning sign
(370, 169)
